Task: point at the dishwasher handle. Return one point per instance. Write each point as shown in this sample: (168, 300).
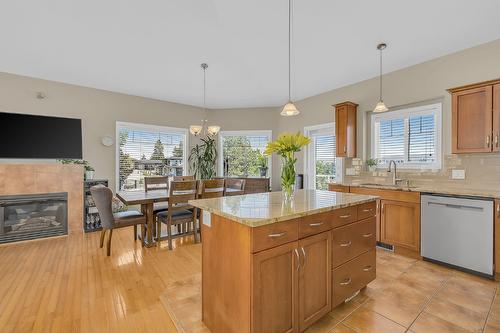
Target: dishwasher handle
(455, 206)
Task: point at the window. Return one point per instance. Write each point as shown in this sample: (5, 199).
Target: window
(320, 162)
(242, 153)
(411, 137)
(147, 150)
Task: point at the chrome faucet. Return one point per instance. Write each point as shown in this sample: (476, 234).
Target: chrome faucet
(394, 179)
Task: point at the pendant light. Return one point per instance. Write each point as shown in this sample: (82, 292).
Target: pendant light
(289, 109)
(197, 130)
(380, 107)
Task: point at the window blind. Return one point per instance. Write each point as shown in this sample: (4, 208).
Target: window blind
(324, 152)
(148, 151)
(411, 137)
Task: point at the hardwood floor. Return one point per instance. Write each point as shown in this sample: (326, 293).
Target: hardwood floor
(68, 284)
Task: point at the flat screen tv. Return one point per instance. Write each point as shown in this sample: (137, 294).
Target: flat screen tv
(30, 136)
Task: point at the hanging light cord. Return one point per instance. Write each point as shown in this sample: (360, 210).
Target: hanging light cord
(289, 49)
(380, 76)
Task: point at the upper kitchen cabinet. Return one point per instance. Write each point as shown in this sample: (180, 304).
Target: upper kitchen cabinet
(476, 118)
(345, 129)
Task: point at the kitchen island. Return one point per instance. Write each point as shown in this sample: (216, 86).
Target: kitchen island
(275, 266)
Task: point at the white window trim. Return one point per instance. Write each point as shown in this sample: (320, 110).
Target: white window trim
(139, 126)
(406, 112)
(220, 160)
(309, 157)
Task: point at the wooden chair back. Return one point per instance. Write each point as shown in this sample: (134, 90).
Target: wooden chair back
(156, 183)
(103, 198)
(235, 184)
(183, 178)
(180, 193)
(212, 188)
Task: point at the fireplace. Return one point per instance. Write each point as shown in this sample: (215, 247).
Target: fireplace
(31, 216)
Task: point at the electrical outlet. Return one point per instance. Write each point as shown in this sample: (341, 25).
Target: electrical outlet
(457, 174)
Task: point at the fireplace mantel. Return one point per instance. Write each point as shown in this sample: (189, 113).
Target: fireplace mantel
(47, 178)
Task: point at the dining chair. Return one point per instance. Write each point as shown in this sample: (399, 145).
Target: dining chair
(179, 212)
(103, 197)
(212, 188)
(234, 186)
(159, 183)
(183, 178)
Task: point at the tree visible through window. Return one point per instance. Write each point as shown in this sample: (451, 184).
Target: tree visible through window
(145, 150)
(320, 155)
(242, 154)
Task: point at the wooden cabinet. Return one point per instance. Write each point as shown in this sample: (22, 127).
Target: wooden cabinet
(345, 129)
(275, 289)
(476, 118)
(338, 188)
(496, 117)
(314, 279)
(400, 224)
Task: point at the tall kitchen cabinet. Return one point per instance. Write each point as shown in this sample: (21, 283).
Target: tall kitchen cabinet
(345, 129)
(476, 118)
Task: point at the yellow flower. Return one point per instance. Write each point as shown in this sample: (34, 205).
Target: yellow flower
(287, 143)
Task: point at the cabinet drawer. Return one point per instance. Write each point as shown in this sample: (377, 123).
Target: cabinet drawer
(352, 276)
(275, 234)
(351, 240)
(344, 216)
(338, 188)
(315, 224)
(367, 210)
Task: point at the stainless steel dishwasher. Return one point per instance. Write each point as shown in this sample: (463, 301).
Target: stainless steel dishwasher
(458, 231)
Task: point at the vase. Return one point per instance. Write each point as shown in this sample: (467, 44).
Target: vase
(89, 175)
(288, 176)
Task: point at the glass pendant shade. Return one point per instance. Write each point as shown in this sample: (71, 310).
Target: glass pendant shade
(380, 107)
(213, 130)
(195, 129)
(289, 110)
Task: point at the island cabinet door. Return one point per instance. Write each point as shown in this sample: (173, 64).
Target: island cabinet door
(314, 279)
(275, 290)
(400, 224)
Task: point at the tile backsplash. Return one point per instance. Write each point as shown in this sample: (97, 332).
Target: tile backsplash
(482, 171)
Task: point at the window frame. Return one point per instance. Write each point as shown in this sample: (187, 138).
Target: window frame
(309, 156)
(435, 109)
(222, 134)
(152, 128)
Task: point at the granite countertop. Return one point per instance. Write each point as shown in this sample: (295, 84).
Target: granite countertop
(259, 209)
(436, 189)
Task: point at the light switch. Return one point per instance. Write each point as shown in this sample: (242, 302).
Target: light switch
(457, 174)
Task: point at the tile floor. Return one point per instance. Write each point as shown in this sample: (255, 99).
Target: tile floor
(408, 296)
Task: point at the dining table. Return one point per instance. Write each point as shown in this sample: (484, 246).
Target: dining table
(147, 200)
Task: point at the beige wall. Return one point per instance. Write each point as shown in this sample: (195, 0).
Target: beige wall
(422, 82)
(100, 110)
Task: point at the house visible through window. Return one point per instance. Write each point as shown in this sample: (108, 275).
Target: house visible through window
(320, 166)
(411, 137)
(147, 150)
(242, 154)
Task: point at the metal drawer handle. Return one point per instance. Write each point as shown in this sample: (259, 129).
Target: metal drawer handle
(346, 282)
(367, 210)
(304, 254)
(298, 258)
(316, 224)
(346, 244)
(367, 235)
(280, 234)
(345, 216)
(368, 268)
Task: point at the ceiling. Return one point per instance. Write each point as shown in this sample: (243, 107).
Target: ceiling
(154, 48)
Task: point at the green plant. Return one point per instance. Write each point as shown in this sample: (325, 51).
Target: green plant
(203, 157)
(262, 161)
(86, 164)
(286, 146)
(371, 162)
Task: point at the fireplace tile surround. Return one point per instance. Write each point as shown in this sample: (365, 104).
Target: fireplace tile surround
(50, 178)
